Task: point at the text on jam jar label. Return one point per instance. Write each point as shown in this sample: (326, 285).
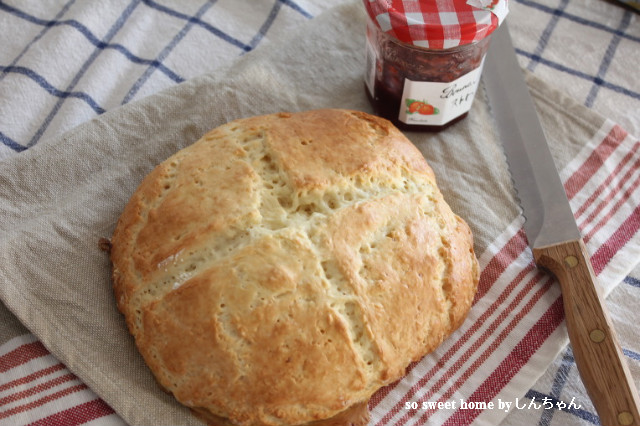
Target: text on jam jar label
(432, 103)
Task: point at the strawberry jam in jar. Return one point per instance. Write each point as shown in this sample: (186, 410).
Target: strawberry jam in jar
(424, 58)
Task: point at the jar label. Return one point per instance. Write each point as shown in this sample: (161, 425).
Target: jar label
(432, 103)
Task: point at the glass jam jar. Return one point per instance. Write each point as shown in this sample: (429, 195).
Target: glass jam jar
(418, 87)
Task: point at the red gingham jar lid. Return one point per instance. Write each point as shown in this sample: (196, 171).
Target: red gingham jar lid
(437, 24)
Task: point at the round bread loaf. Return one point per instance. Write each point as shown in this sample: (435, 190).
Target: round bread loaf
(284, 267)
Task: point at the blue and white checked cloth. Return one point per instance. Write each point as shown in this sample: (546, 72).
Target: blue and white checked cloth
(64, 62)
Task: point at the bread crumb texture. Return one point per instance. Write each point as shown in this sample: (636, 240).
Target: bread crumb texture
(285, 267)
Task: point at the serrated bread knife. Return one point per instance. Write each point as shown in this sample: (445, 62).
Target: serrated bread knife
(555, 239)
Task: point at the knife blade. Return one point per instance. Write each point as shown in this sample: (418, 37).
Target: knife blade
(554, 237)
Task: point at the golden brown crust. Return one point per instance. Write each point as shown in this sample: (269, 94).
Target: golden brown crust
(356, 415)
(283, 268)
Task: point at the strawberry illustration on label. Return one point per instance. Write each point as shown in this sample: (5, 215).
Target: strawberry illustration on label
(420, 107)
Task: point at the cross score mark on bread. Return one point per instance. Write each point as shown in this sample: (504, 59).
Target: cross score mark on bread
(284, 267)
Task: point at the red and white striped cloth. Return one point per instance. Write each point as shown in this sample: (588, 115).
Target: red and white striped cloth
(32, 380)
(602, 183)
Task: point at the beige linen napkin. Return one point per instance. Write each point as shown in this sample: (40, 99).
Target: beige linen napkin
(58, 199)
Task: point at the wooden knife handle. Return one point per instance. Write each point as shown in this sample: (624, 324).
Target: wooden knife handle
(596, 349)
